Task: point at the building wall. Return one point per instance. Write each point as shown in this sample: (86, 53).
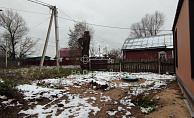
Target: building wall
(145, 54)
(183, 70)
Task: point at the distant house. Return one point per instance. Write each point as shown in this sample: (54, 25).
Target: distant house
(183, 31)
(152, 47)
(68, 54)
(38, 58)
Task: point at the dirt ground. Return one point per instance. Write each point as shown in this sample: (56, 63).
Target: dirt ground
(171, 103)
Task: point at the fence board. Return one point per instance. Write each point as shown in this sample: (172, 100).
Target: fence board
(137, 65)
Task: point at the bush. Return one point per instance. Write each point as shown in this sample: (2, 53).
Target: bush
(7, 88)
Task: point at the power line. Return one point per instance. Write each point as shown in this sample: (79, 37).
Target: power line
(99, 25)
(39, 24)
(67, 15)
(106, 26)
(25, 11)
(48, 41)
(71, 19)
(105, 40)
(41, 3)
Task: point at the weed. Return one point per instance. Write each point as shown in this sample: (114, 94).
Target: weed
(7, 88)
(145, 103)
(173, 81)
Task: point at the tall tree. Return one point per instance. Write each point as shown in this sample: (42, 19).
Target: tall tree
(15, 30)
(149, 25)
(76, 33)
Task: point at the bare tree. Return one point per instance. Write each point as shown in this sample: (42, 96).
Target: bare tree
(94, 48)
(115, 53)
(27, 47)
(76, 33)
(149, 25)
(14, 31)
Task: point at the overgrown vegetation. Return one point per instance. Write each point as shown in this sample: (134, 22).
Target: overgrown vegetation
(13, 77)
(24, 75)
(145, 103)
(173, 81)
(7, 88)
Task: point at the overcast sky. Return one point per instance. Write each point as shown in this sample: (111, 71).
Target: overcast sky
(115, 13)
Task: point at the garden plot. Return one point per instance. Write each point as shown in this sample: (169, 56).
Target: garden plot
(93, 95)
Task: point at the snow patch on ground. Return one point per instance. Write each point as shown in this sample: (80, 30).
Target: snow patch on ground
(76, 106)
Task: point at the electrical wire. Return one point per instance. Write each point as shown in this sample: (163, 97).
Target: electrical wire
(39, 24)
(41, 3)
(67, 15)
(71, 19)
(25, 11)
(106, 26)
(105, 40)
(99, 25)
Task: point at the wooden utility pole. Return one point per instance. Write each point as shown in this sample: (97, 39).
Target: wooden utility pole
(46, 42)
(54, 13)
(56, 37)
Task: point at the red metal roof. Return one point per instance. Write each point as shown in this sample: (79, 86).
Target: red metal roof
(64, 52)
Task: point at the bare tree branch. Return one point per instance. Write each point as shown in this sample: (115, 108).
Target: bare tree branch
(76, 33)
(150, 25)
(15, 29)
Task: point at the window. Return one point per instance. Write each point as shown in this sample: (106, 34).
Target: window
(162, 55)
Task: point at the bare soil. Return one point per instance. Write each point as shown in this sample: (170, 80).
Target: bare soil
(171, 103)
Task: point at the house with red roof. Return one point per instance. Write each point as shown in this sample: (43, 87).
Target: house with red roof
(70, 56)
(152, 47)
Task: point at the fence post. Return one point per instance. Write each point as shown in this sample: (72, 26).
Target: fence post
(120, 65)
(159, 64)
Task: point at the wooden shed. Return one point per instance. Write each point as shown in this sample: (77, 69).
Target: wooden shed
(152, 47)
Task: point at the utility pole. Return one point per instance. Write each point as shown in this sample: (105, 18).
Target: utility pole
(55, 15)
(56, 36)
(46, 42)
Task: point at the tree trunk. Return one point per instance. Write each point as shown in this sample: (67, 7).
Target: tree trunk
(13, 49)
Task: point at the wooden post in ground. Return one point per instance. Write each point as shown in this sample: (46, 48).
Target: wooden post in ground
(46, 42)
(56, 37)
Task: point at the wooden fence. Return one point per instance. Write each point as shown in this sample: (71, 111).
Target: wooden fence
(135, 65)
